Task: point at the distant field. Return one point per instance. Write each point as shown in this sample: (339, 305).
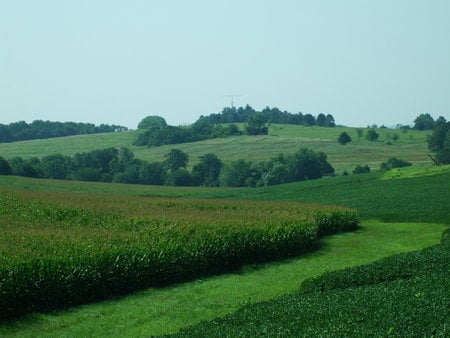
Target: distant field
(411, 146)
(422, 198)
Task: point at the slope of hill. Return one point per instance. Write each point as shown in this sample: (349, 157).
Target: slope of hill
(410, 146)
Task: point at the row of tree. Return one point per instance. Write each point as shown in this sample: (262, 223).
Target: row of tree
(427, 122)
(21, 131)
(119, 165)
(271, 115)
(156, 132)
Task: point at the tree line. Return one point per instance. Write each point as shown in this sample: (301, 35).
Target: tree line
(156, 132)
(119, 165)
(38, 129)
(271, 115)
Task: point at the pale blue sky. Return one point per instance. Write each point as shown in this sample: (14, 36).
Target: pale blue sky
(104, 61)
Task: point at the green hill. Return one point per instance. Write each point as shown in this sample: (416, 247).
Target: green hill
(410, 146)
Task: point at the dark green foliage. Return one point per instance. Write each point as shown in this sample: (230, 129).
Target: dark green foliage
(206, 173)
(179, 177)
(394, 163)
(20, 131)
(404, 295)
(325, 121)
(256, 125)
(152, 122)
(271, 115)
(238, 174)
(56, 166)
(5, 168)
(344, 138)
(439, 141)
(152, 173)
(306, 164)
(372, 135)
(176, 159)
(200, 130)
(424, 122)
(361, 169)
(439, 137)
(27, 168)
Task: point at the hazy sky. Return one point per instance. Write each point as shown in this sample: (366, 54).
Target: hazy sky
(115, 62)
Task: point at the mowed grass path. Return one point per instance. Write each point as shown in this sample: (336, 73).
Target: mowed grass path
(162, 311)
(411, 146)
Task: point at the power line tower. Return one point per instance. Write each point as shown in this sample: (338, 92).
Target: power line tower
(232, 96)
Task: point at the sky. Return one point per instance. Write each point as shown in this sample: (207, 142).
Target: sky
(115, 62)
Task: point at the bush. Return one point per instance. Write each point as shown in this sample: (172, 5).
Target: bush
(394, 163)
(361, 169)
(344, 138)
(372, 135)
(5, 168)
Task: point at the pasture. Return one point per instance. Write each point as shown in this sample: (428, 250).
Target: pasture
(411, 146)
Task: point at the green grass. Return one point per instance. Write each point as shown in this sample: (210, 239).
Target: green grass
(162, 311)
(409, 172)
(287, 139)
(405, 295)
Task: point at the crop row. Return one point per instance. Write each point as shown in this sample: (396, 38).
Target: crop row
(60, 250)
(402, 296)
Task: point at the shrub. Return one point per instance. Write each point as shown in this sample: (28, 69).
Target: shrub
(372, 135)
(361, 169)
(394, 163)
(344, 138)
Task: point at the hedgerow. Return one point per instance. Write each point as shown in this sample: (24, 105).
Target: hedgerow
(59, 250)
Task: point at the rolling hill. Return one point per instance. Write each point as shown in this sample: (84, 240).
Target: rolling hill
(410, 146)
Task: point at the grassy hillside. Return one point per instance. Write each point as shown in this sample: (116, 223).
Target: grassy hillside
(411, 146)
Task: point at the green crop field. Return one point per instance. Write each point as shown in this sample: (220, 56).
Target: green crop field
(410, 146)
(65, 243)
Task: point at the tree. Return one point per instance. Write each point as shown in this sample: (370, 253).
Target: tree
(321, 120)
(372, 135)
(152, 122)
(207, 172)
(5, 168)
(236, 173)
(424, 122)
(176, 159)
(439, 141)
(394, 162)
(359, 132)
(179, 177)
(55, 166)
(152, 173)
(361, 169)
(306, 164)
(344, 138)
(256, 125)
(437, 138)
